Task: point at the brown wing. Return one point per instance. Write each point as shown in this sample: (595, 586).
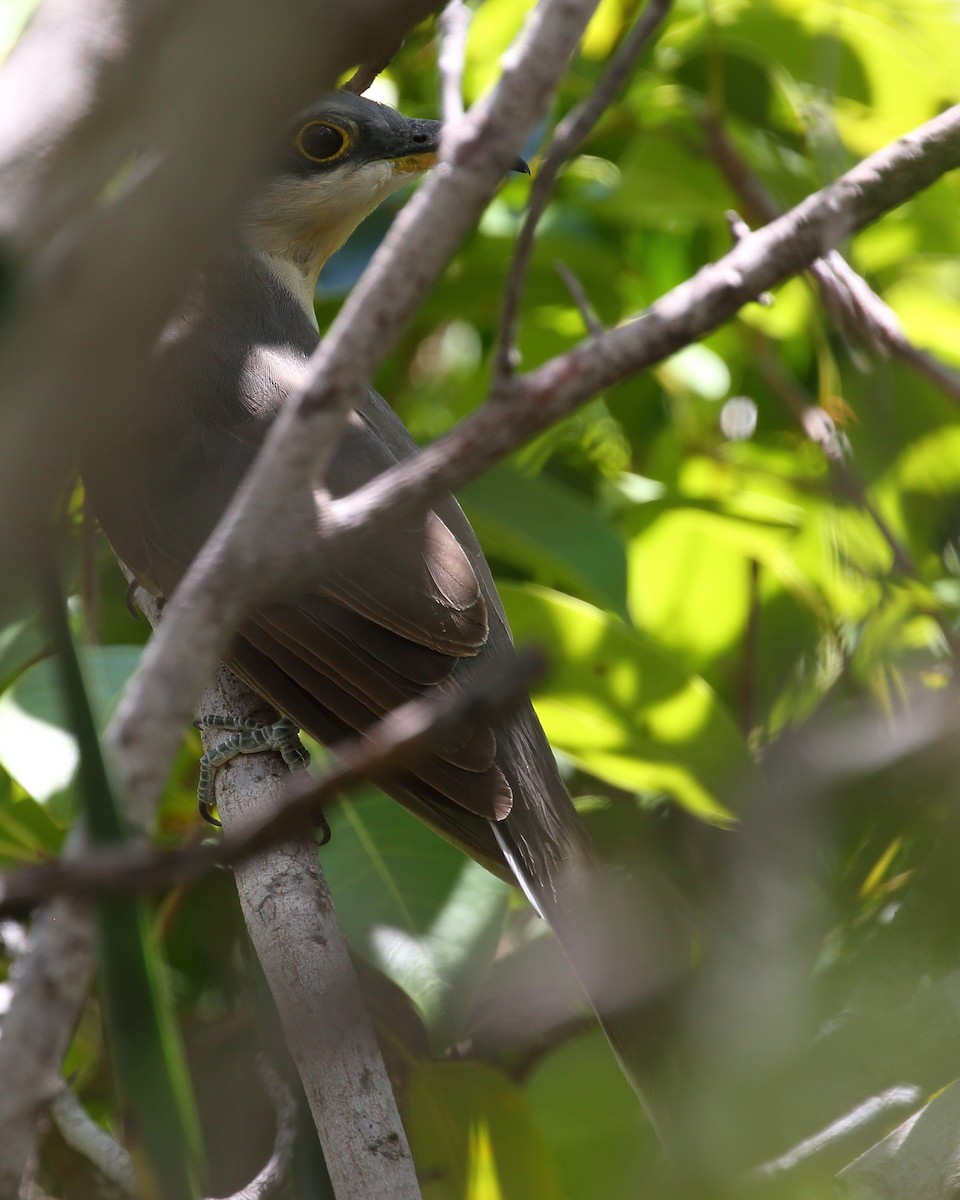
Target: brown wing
(416, 609)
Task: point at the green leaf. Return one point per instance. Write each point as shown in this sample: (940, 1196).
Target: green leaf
(605, 1148)
(20, 642)
(36, 745)
(473, 1135)
(146, 1050)
(624, 710)
(548, 530)
(426, 915)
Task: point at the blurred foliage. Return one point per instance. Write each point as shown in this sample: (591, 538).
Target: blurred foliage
(710, 604)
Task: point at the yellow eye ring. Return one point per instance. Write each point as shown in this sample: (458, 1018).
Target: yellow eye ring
(318, 133)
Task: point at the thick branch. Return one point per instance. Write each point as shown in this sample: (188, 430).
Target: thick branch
(294, 929)
(166, 221)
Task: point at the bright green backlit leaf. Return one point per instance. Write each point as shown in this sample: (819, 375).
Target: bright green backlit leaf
(929, 312)
(457, 1112)
(482, 1183)
(624, 710)
(787, 317)
(494, 26)
(604, 29)
(930, 465)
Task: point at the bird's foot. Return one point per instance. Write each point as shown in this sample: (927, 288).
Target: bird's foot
(248, 736)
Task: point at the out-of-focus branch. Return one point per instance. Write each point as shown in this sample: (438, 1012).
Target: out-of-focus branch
(107, 280)
(396, 741)
(79, 1130)
(566, 138)
(108, 273)
(49, 981)
(852, 304)
(366, 73)
(454, 27)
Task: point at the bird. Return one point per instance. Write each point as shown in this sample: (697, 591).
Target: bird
(419, 609)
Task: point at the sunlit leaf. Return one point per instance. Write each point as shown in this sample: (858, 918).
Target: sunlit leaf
(470, 1126)
(624, 710)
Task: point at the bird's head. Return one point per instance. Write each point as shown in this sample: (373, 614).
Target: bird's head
(340, 159)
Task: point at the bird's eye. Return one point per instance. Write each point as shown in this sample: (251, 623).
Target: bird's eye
(322, 143)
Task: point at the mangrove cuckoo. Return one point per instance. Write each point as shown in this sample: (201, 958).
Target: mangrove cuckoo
(418, 609)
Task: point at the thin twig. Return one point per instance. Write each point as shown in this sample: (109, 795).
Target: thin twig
(853, 305)
(367, 72)
(580, 298)
(747, 672)
(396, 741)
(454, 27)
(820, 429)
(567, 137)
(79, 1130)
(285, 1113)
(739, 229)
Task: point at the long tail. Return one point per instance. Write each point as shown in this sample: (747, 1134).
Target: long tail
(625, 938)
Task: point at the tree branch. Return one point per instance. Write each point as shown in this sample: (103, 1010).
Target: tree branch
(853, 305)
(397, 741)
(454, 28)
(567, 137)
(160, 227)
(527, 405)
(292, 924)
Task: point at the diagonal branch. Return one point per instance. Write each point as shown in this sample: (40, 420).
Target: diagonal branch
(397, 741)
(758, 262)
(848, 298)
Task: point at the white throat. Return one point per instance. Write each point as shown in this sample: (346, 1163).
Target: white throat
(297, 280)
